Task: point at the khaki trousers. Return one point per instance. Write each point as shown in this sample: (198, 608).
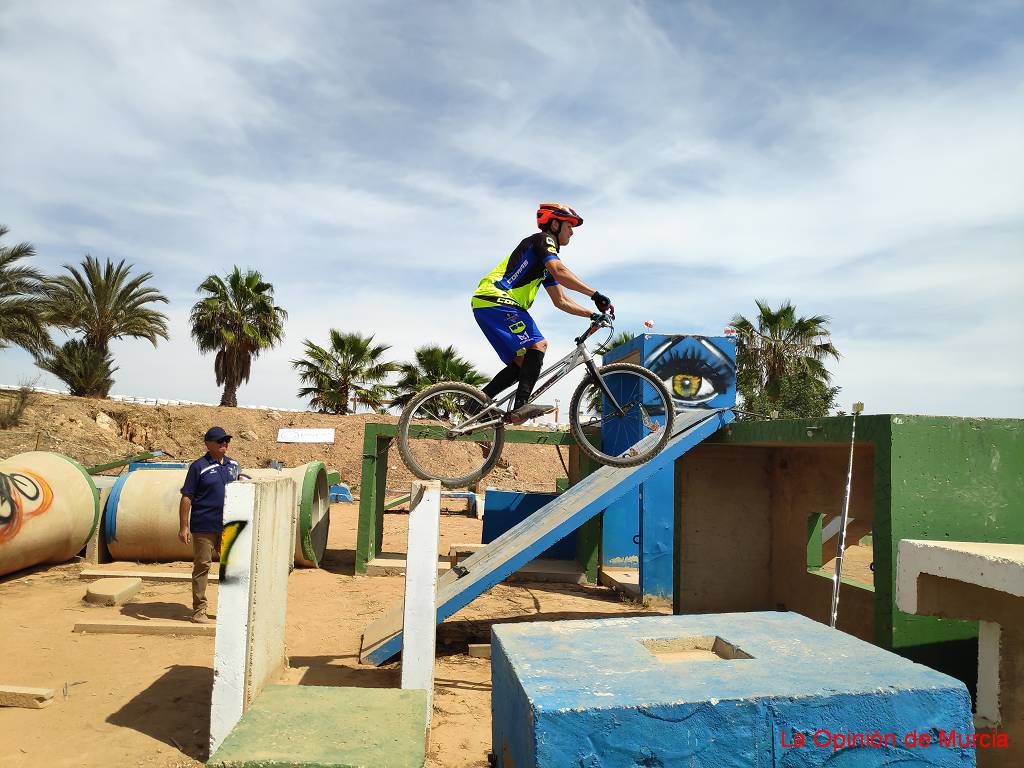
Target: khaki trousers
(205, 547)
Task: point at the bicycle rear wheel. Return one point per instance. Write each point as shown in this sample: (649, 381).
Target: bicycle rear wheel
(429, 447)
(634, 433)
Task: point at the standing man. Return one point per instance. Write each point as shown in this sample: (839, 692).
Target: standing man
(504, 296)
(203, 496)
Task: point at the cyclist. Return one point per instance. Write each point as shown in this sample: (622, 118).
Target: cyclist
(502, 301)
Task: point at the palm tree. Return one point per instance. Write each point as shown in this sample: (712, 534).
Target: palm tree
(104, 302)
(782, 344)
(237, 320)
(780, 360)
(349, 369)
(433, 364)
(87, 371)
(22, 322)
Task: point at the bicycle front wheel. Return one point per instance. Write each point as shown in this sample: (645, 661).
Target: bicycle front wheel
(631, 433)
(429, 444)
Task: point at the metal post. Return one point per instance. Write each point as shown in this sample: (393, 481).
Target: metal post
(841, 546)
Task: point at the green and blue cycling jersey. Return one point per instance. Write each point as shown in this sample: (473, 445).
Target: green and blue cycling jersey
(516, 279)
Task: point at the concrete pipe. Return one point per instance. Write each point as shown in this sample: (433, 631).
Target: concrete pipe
(313, 507)
(141, 517)
(49, 507)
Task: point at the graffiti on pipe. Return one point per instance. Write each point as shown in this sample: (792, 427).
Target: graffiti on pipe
(23, 494)
(227, 542)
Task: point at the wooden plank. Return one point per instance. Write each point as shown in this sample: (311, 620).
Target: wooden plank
(135, 627)
(160, 577)
(509, 552)
(480, 650)
(26, 698)
(392, 564)
(418, 622)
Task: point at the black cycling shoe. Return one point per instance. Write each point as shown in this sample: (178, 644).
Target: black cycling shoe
(526, 412)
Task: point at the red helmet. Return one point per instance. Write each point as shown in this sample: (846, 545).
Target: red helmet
(548, 211)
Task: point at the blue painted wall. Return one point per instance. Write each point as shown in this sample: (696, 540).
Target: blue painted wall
(504, 510)
(588, 693)
(699, 372)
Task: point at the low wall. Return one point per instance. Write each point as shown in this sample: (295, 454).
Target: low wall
(256, 551)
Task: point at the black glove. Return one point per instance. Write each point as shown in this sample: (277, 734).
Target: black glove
(602, 301)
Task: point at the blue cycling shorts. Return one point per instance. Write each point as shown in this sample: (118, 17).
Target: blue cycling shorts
(510, 330)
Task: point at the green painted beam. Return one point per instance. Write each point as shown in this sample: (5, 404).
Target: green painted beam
(814, 559)
(376, 443)
(123, 462)
(377, 438)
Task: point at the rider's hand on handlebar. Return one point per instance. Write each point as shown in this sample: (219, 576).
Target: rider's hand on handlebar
(603, 302)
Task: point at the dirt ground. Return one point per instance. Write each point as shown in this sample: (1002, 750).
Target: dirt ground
(136, 700)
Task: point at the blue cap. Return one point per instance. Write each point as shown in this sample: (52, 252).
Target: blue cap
(213, 434)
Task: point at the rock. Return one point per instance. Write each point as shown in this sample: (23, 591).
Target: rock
(105, 422)
(248, 434)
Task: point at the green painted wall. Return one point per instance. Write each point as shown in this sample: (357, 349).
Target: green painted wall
(936, 477)
(953, 479)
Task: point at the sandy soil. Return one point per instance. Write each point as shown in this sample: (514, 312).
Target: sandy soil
(126, 700)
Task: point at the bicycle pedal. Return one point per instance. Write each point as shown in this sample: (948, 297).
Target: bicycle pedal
(460, 570)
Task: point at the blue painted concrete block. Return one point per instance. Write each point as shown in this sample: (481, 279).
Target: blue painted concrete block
(656, 691)
(505, 510)
(700, 373)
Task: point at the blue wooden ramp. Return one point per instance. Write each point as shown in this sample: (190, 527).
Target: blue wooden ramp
(521, 544)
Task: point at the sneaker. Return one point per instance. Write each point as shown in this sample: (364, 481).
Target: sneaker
(529, 411)
(201, 618)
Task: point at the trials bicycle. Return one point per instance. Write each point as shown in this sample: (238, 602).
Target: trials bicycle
(621, 414)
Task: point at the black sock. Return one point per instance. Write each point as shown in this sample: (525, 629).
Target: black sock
(533, 361)
(506, 377)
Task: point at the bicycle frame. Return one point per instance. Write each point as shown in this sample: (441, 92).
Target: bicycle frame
(577, 357)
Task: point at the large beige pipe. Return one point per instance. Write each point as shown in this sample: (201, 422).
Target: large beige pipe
(141, 520)
(313, 508)
(141, 516)
(49, 508)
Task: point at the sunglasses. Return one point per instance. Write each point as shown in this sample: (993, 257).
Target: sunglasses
(224, 441)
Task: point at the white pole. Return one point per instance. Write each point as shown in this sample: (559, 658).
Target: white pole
(841, 546)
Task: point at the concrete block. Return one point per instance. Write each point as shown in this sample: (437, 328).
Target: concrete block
(310, 726)
(26, 698)
(112, 591)
(723, 690)
(981, 582)
(256, 552)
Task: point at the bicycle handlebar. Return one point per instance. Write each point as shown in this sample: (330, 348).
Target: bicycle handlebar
(604, 321)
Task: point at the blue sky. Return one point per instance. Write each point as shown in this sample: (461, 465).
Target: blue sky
(374, 160)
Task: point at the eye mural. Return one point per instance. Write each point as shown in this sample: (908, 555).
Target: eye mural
(23, 495)
(697, 372)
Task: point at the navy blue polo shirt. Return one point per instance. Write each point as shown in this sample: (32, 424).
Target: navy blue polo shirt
(204, 484)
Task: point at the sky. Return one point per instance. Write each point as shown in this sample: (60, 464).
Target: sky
(374, 160)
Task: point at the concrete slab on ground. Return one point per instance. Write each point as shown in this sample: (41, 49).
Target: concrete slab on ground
(308, 726)
(157, 577)
(115, 591)
(624, 580)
